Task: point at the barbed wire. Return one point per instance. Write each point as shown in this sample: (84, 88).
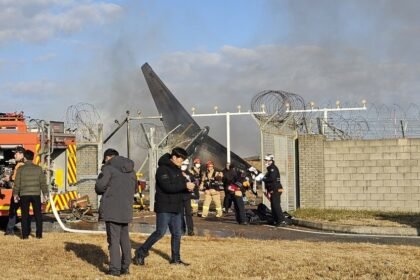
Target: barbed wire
(83, 120)
(378, 121)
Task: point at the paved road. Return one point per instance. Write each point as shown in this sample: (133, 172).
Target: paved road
(227, 227)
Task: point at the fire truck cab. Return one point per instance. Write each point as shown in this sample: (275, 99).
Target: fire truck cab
(55, 151)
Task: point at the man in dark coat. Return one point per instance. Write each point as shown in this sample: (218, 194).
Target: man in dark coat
(274, 190)
(117, 184)
(170, 190)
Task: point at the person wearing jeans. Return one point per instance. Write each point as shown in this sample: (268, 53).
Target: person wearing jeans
(171, 186)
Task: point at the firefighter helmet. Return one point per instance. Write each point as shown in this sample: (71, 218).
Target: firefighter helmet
(197, 160)
(269, 157)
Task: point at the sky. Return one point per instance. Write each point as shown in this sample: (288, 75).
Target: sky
(55, 54)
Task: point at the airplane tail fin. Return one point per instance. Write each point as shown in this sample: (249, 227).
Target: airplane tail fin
(173, 113)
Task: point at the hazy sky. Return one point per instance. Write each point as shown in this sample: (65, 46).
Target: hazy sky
(57, 53)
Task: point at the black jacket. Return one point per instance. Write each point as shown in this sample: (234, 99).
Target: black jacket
(272, 178)
(117, 185)
(171, 186)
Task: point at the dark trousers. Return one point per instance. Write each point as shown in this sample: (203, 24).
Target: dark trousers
(239, 205)
(227, 201)
(276, 210)
(187, 220)
(119, 246)
(163, 221)
(35, 200)
(12, 215)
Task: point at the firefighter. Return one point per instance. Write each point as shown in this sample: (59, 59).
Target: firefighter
(196, 173)
(274, 190)
(211, 182)
(14, 206)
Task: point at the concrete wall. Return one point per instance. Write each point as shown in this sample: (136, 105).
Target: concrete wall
(363, 174)
(311, 171)
(87, 171)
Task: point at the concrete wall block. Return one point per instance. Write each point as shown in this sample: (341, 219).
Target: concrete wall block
(371, 204)
(362, 183)
(382, 163)
(356, 190)
(371, 176)
(397, 204)
(350, 196)
(337, 196)
(357, 203)
(411, 176)
(331, 164)
(371, 189)
(390, 183)
(330, 177)
(384, 189)
(413, 189)
(396, 190)
(396, 176)
(401, 155)
(343, 203)
(343, 177)
(331, 203)
(362, 156)
(390, 169)
(356, 176)
(384, 203)
(389, 156)
(383, 176)
(364, 169)
(415, 155)
(398, 162)
(337, 184)
(412, 204)
(376, 196)
(350, 170)
(403, 169)
(375, 156)
(330, 190)
(362, 196)
(403, 196)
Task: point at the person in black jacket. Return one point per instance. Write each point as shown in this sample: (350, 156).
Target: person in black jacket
(117, 184)
(230, 176)
(171, 186)
(274, 190)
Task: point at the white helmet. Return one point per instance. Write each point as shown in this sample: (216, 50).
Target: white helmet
(186, 162)
(269, 157)
(252, 169)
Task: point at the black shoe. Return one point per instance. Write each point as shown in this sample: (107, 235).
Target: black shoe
(139, 257)
(25, 237)
(191, 233)
(281, 224)
(39, 237)
(11, 233)
(124, 271)
(113, 273)
(179, 262)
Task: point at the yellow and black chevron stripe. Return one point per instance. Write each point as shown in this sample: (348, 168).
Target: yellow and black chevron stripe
(71, 164)
(61, 201)
(37, 152)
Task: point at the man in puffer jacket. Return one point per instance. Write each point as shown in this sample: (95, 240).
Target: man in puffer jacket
(171, 186)
(117, 184)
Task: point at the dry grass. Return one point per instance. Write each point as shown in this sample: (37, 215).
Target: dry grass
(360, 217)
(76, 256)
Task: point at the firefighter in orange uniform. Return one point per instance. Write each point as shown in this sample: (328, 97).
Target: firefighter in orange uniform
(211, 182)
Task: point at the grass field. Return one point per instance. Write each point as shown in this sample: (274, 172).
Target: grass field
(77, 256)
(360, 217)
